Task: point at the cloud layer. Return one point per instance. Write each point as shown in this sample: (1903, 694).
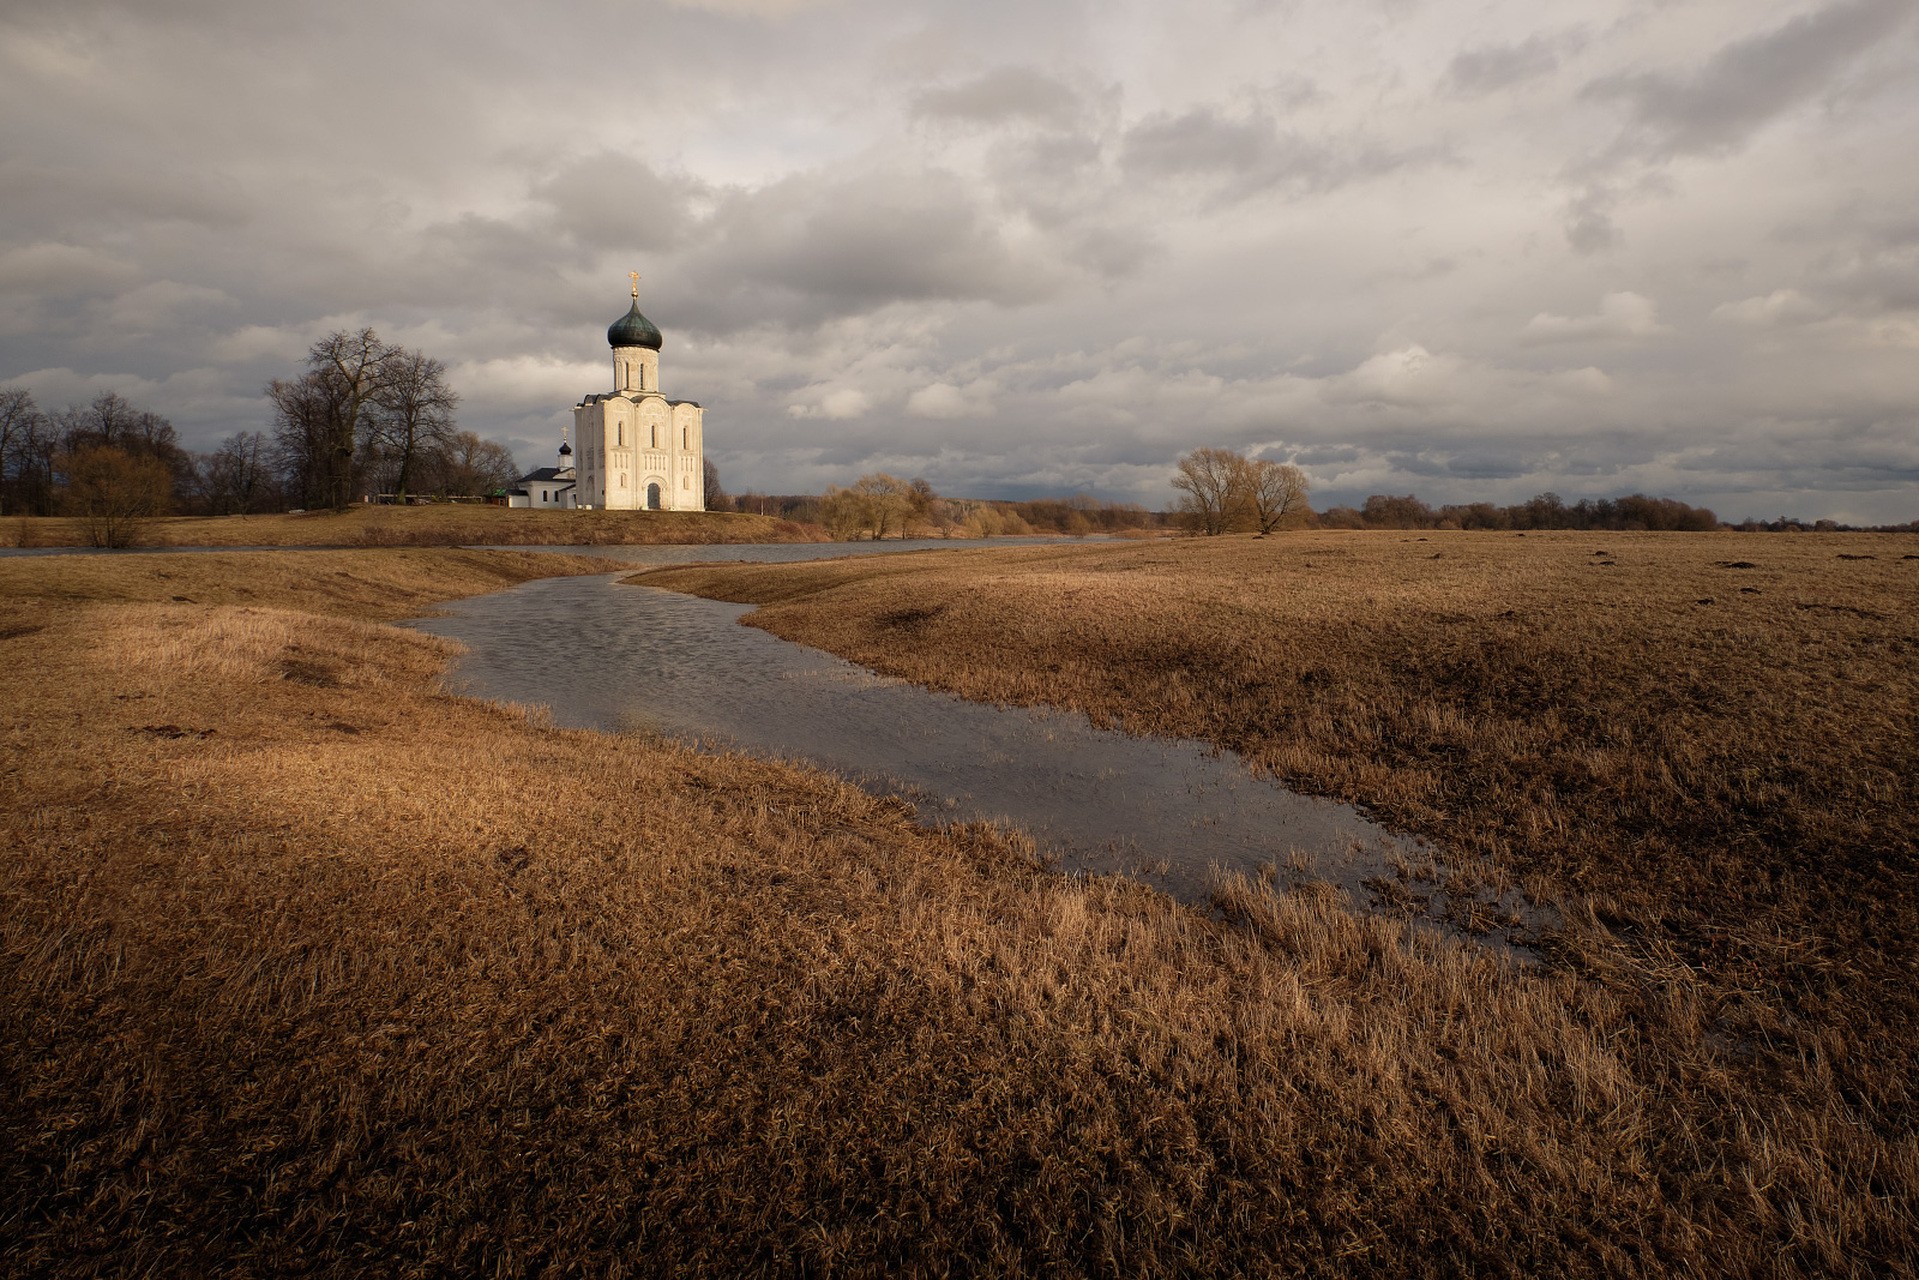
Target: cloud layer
(1467, 249)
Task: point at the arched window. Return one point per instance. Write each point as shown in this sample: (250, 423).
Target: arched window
(653, 435)
(686, 437)
(620, 434)
(653, 497)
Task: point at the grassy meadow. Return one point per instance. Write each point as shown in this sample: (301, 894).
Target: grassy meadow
(307, 966)
(1702, 747)
(440, 525)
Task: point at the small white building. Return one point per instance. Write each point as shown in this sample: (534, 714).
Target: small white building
(551, 488)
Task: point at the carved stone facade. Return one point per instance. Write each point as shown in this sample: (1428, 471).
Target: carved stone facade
(637, 450)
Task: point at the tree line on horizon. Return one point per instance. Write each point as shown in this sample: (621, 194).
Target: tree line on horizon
(880, 505)
(364, 418)
(369, 418)
(1544, 511)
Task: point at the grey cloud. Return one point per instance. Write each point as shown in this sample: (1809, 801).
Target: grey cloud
(1485, 467)
(1877, 268)
(1589, 222)
(1003, 94)
(837, 244)
(1750, 82)
(615, 201)
(1248, 154)
(1492, 67)
(1327, 455)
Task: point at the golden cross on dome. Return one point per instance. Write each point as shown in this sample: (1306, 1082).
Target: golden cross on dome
(635, 277)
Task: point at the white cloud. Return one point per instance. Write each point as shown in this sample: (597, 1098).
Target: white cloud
(1623, 316)
(1778, 309)
(939, 400)
(51, 266)
(837, 404)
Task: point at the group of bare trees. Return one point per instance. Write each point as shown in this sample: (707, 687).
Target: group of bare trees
(365, 417)
(110, 462)
(1542, 511)
(368, 415)
(878, 504)
(1222, 491)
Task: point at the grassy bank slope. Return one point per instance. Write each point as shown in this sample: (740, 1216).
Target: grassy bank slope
(1710, 739)
(306, 967)
(430, 526)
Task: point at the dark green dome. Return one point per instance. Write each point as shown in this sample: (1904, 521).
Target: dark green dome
(634, 330)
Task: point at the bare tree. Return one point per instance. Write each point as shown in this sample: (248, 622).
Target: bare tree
(413, 417)
(114, 492)
(302, 436)
(843, 512)
(115, 422)
(716, 499)
(111, 420)
(470, 467)
(238, 474)
(21, 427)
(1274, 491)
(334, 408)
(1211, 483)
(888, 502)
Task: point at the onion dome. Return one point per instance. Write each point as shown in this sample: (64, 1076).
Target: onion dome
(566, 450)
(634, 330)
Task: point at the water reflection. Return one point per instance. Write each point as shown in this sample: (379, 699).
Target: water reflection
(614, 657)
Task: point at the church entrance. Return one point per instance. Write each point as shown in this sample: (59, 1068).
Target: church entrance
(652, 497)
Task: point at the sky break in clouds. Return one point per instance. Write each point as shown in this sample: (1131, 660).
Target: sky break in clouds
(1473, 249)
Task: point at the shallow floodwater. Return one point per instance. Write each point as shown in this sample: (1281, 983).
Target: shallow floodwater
(614, 657)
(666, 554)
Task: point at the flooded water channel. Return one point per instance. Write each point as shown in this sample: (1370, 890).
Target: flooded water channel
(603, 655)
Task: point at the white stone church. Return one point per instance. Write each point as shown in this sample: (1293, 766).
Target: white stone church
(639, 451)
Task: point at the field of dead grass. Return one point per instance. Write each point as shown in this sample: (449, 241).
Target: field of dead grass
(308, 967)
(443, 525)
(1705, 746)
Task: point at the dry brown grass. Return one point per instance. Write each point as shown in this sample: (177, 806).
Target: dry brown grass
(427, 526)
(307, 967)
(1705, 746)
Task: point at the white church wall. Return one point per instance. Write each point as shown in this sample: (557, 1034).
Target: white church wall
(633, 437)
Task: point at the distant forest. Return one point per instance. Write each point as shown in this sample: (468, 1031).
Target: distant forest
(1549, 511)
(1081, 515)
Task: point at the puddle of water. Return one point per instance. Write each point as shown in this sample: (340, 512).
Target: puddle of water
(1173, 813)
(783, 552)
(677, 553)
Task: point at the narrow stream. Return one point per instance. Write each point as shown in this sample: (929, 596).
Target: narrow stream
(613, 657)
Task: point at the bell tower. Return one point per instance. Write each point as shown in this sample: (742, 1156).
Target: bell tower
(636, 350)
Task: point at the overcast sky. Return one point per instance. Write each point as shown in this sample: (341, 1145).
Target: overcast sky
(1472, 249)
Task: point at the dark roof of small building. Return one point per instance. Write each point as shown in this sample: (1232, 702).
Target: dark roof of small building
(545, 475)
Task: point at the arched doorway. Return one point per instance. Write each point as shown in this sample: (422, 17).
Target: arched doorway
(653, 497)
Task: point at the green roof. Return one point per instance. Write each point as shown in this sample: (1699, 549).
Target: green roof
(634, 330)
